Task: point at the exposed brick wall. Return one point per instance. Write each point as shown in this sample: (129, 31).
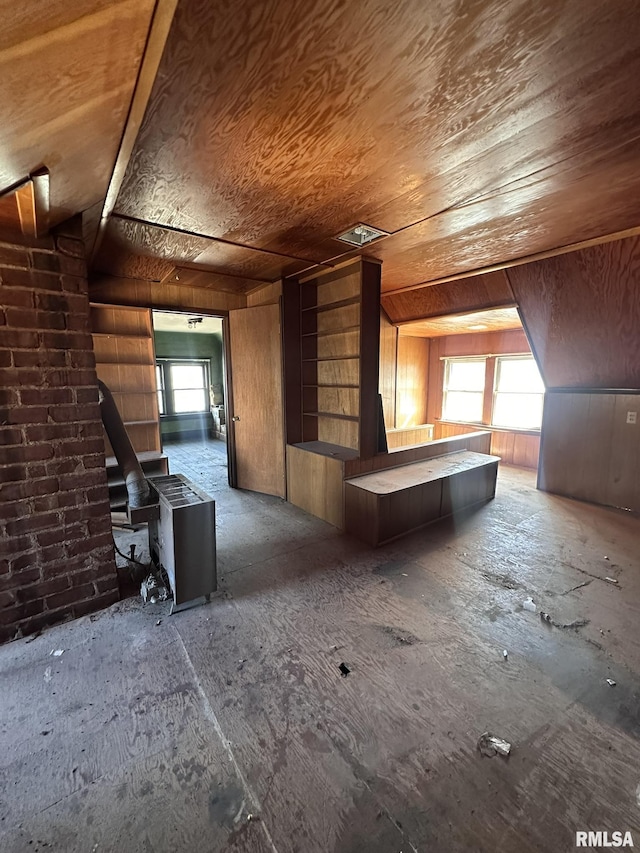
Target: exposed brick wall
(56, 548)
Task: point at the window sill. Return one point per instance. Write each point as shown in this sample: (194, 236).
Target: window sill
(480, 426)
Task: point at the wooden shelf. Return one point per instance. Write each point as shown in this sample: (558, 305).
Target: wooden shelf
(326, 332)
(329, 306)
(333, 358)
(330, 386)
(331, 415)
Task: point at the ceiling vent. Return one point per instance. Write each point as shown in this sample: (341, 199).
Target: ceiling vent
(361, 234)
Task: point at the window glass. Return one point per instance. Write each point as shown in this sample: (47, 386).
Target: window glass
(182, 386)
(463, 389)
(187, 375)
(519, 394)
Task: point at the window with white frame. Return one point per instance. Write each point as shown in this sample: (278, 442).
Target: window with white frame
(183, 386)
(518, 393)
(463, 391)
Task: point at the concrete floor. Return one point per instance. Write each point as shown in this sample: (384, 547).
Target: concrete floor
(167, 737)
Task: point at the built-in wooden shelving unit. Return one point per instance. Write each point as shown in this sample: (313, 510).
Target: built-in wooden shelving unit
(125, 362)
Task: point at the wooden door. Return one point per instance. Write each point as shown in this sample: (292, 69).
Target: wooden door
(257, 417)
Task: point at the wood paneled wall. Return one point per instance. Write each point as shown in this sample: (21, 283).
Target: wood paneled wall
(404, 370)
(387, 370)
(411, 381)
(582, 314)
(166, 296)
(513, 448)
(589, 450)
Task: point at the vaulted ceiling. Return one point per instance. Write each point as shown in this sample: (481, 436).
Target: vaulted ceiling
(476, 132)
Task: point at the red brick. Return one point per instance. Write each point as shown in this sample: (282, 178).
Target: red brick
(13, 473)
(52, 302)
(61, 378)
(66, 340)
(51, 432)
(83, 359)
(108, 584)
(4, 567)
(45, 396)
(73, 266)
(101, 601)
(10, 435)
(41, 589)
(100, 525)
(62, 534)
(70, 596)
(87, 395)
(25, 453)
(30, 524)
(29, 318)
(17, 298)
(8, 397)
(13, 339)
(7, 599)
(12, 548)
(70, 246)
(82, 479)
(11, 615)
(39, 358)
(14, 256)
(97, 493)
(5, 358)
(77, 322)
(28, 415)
(15, 277)
(12, 492)
(73, 283)
(48, 261)
(58, 501)
(69, 413)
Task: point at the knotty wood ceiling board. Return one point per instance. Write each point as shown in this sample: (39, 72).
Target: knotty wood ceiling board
(68, 72)
(496, 320)
(582, 315)
(279, 125)
(463, 296)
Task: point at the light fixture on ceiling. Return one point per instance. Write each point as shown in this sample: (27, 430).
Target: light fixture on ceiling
(192, 322)
(362, 234)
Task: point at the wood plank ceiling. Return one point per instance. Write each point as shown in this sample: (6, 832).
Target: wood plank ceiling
(67, 75)
(476, 132)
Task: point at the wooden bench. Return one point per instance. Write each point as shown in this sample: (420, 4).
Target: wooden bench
(384, 505)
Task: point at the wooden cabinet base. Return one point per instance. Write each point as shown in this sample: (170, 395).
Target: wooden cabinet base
(385, 505)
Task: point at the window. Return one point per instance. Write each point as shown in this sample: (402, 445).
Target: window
(502, 391)
(518, 393)
(463, 389)
(183, 386)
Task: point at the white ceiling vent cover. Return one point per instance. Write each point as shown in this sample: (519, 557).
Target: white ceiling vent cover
(361, 234)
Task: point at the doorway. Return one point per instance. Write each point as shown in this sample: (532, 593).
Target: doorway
(190, 381)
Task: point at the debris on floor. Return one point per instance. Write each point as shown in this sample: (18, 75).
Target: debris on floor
(611, 682)
(529, 605)
(153, 590)
(545, 616)
(56, 652)
(611, 580)
(344, 670)
(490, 745)
(505, 654)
